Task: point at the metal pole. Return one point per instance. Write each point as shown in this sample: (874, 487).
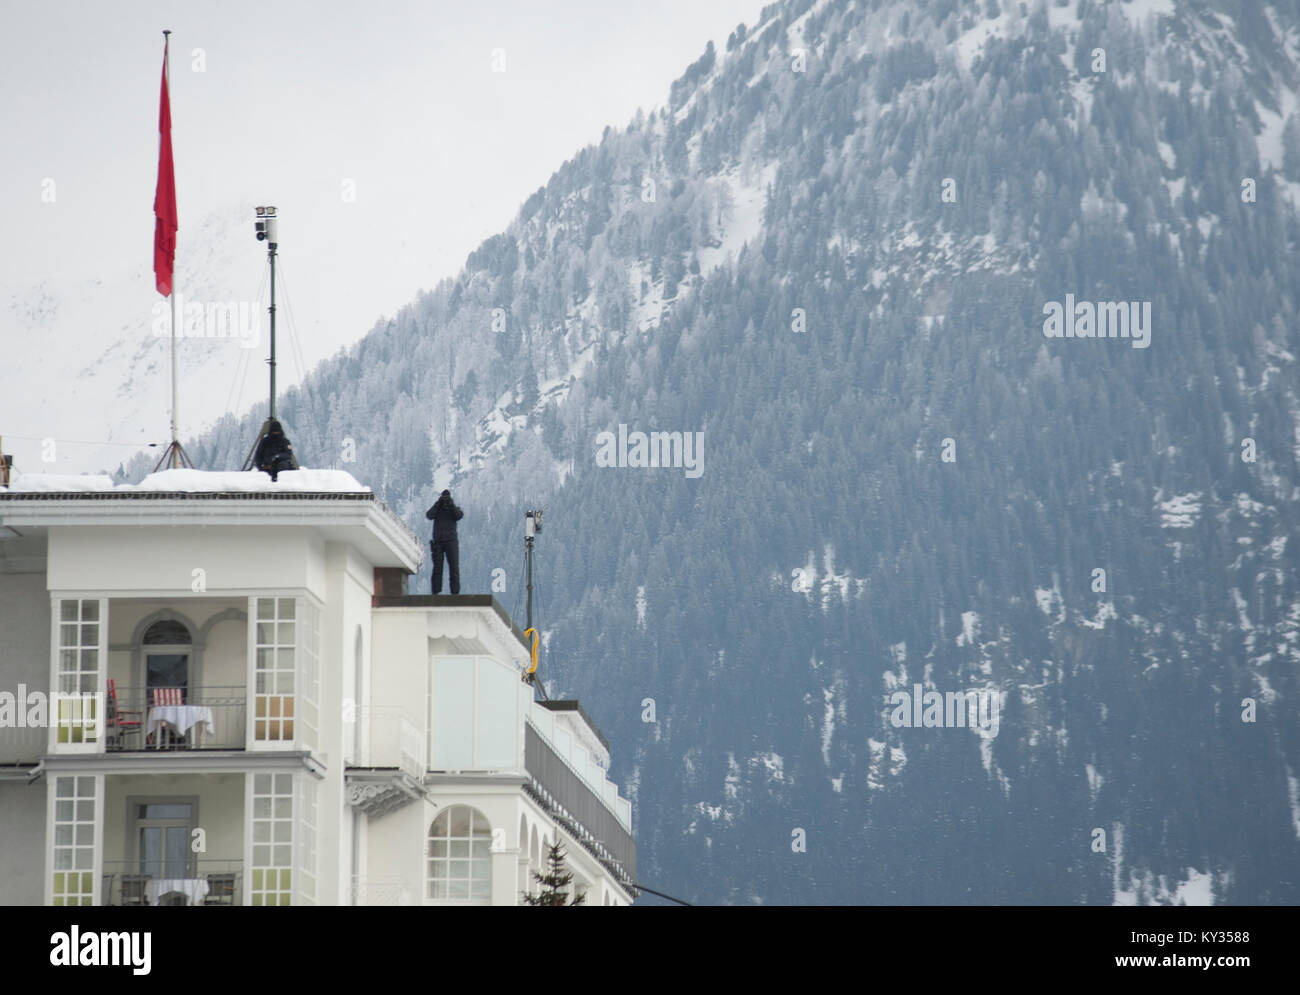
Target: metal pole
(271, 253)
(528, 557)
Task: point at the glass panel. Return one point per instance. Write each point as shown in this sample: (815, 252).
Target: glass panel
(480, 888)
(284, 808)
(167, 633)
(167, 670)
(262, 784)
(89, 635)
(457, 889)
(261, 808)
(283, 854)
(89, 611)
(261, 832)
(283, 784)
(460, 821)
(178, 810)
(67, 635)
(265, 632)
(460, 848)
(151, 850)
(437, 848)
(177, 841)
(286, 607)
(68, 611)
(265, 608)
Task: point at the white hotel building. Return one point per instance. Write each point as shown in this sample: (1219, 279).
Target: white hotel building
(265, 716)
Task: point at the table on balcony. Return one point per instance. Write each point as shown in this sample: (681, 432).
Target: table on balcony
(182, 718)
(195, 890)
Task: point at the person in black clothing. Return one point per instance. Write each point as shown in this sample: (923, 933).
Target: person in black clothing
(274, 452)
(445, 515)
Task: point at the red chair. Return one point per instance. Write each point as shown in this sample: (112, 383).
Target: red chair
(121, 723)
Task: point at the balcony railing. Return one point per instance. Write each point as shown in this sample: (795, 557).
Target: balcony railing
(137, 724)
(198, 882)
(384, 892)
(22, 746)
(559, 787)
(395, 740)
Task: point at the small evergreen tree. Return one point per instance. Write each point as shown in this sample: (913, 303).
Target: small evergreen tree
(554, 881)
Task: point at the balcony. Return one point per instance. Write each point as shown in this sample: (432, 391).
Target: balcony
(197, 882)
(558, 787)
(389, 771)
(209, 718)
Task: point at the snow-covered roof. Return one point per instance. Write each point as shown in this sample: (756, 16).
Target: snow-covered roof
(193, 482)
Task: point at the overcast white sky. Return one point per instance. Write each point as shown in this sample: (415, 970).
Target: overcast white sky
(396, 95)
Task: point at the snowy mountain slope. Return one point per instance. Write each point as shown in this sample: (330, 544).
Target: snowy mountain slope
(832, 347)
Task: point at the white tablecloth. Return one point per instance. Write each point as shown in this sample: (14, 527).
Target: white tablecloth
(194, 889)
(180, 717)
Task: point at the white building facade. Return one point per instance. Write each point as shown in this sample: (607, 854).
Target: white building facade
(222, 695)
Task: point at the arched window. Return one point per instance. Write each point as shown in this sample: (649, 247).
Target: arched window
(168, 651)
(167, 632)
(460, 855)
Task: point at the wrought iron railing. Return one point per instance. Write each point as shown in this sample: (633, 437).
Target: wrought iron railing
(209, 718)
(196, 882)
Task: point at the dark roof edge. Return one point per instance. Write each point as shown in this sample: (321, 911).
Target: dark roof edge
(572, 705)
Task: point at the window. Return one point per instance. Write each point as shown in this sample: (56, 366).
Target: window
(163, 833)
(167, 658)
(272, 839)
(79, 635)
(274, 669)
(460, 856)
(74, 800)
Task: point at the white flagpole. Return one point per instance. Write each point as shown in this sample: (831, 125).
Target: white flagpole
(175, 460)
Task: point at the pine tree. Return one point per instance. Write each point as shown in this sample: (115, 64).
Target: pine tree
(554, 881)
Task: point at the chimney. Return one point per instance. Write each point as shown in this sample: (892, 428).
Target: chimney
(390, 582)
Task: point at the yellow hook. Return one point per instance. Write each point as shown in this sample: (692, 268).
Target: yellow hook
(533, 669)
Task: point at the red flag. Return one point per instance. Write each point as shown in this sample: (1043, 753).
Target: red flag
(164, 201)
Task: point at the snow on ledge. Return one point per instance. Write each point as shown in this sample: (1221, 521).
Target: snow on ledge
(194, 482)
